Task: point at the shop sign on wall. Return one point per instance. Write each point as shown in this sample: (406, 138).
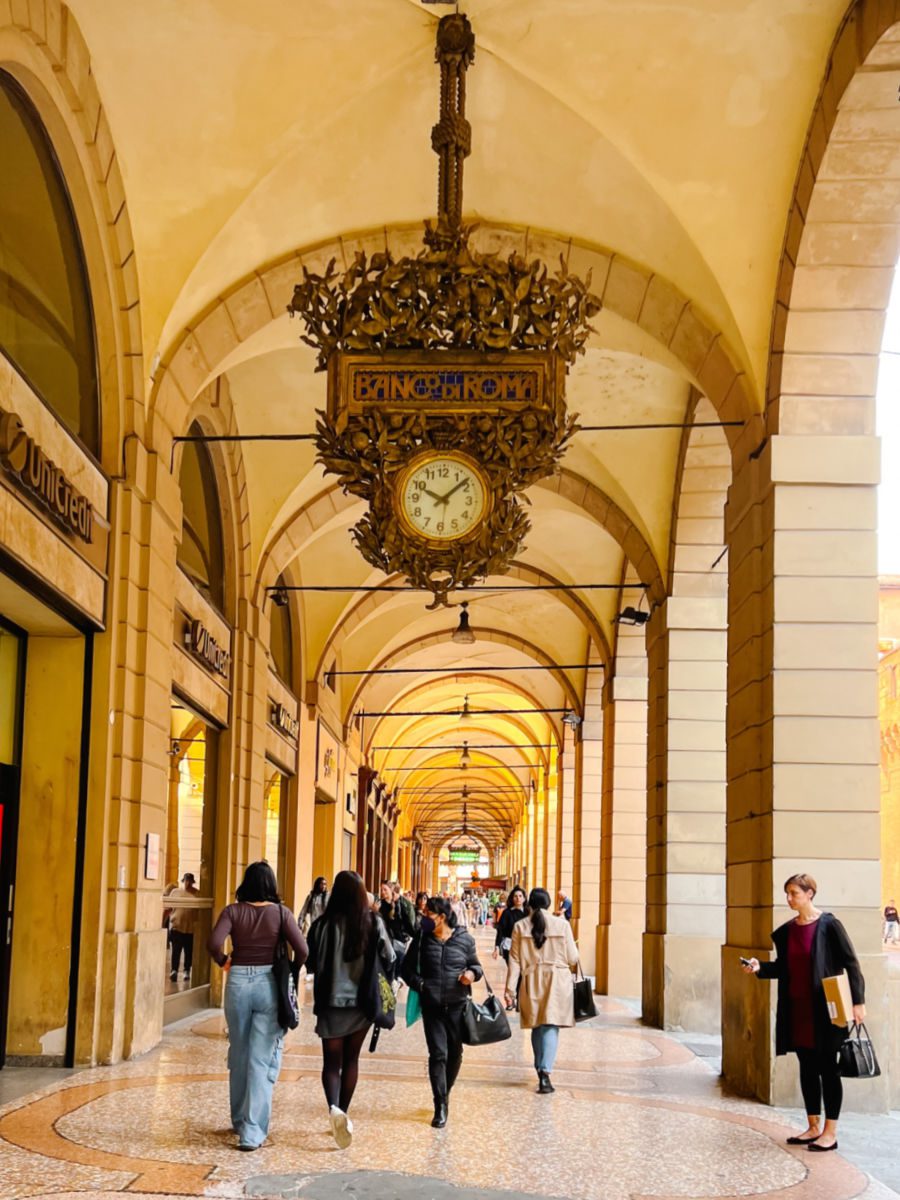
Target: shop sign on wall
(463, 854)
(327, 763)
(151, 857)
(43, 480)
(204, 647)
(284, 721)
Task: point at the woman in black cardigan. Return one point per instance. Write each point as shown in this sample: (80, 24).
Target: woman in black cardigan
(811, 947)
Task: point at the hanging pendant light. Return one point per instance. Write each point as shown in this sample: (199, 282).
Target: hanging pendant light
(462, 634)
(464, 757)
(465, 712)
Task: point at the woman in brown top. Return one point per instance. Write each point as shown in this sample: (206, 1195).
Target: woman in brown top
(811, 947)
(255, 925)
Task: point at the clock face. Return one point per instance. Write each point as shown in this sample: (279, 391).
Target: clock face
(442, 496)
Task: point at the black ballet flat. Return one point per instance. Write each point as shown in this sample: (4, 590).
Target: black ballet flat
(801, 1141)
(822, 1149)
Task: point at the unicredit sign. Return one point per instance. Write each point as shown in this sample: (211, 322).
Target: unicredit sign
(206, 649)
(43, 480)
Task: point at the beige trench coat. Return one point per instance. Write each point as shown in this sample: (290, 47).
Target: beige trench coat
(546, 996)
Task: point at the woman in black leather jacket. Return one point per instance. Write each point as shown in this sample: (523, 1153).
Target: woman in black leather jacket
(441, 965)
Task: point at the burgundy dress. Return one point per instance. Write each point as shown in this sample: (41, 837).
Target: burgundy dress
(800, 940)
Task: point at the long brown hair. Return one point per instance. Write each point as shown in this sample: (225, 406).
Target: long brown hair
(348, 906)
(537, 902)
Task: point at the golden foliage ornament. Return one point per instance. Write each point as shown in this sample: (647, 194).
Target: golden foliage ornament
(448, 309)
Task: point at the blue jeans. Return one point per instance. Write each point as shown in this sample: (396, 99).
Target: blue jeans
(254, 1050)
(545, 1043)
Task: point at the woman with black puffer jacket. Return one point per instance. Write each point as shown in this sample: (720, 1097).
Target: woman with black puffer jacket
(441, 965)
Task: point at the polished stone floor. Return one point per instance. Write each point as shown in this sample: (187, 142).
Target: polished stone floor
(637, 1115)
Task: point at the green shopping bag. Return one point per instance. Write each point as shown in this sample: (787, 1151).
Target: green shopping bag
(413, 1007)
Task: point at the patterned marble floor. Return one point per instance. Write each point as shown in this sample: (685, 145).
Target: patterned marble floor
(636, 1116)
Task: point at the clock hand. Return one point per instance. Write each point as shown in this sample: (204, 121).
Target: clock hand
(462, 483)
(433, 495)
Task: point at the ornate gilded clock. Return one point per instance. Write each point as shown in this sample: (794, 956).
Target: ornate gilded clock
(446, 377)
(442, 496)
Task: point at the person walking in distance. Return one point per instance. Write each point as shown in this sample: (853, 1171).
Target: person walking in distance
(509, 918)
(343, 945)
(543, 955)
(891, 923)
(255, 924)
(441, 965)
(182, 926)
(810, 947)
(314, 904)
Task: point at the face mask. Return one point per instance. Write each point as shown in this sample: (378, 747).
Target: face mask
(428, 925)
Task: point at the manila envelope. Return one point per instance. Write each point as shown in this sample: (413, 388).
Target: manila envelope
(838, 999)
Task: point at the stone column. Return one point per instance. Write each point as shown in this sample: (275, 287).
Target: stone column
(685, 814)
(586, 883)
(123, 944)
(567, 769)
(624, 815)
(803, 787)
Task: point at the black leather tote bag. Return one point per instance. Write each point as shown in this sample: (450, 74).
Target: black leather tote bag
(484, 1023)
(585, 1008)
(858, 1059)
(286, 971)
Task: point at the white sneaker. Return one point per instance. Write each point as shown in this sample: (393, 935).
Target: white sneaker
(341, 1127)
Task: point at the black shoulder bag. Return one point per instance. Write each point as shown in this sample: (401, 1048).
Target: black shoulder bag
(376, 996)
(286, 971)
(585, 1008)
(485, 1023)
(858, 1059)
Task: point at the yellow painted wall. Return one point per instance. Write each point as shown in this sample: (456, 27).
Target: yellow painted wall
(45, 868)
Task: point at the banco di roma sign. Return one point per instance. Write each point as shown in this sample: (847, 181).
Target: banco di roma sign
(441, 382)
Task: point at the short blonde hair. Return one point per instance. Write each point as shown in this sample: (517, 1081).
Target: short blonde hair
(803, 881)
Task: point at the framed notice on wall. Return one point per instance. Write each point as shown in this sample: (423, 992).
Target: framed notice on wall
(151, 857)
(326, 763)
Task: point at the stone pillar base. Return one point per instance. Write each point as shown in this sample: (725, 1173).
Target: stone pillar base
(681, 983)
(618, 964)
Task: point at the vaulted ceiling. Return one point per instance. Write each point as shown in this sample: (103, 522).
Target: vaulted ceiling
(665, 133)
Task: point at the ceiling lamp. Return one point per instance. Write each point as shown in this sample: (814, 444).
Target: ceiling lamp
(464, 756)
(462, 634)
(465, 713)
(446, 376)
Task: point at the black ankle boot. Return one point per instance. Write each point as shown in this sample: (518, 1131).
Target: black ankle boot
(440, 1113)
(545, 1087)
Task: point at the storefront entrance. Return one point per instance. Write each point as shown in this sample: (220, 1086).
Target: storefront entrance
(189, 856)
(44, 674)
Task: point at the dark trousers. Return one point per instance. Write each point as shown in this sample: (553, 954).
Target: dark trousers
(182, 942)
(820, 1078)
(443, 1034)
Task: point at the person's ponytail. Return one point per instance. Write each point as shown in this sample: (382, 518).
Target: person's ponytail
(538, 902)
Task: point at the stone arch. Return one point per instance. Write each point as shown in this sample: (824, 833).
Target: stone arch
(497, 636)
(42, 46)
(410, 694)
(476, 729)
(842, 238)
(213, 411)
(801, 523)
(369, 602)
(628, 289)
(509, 719)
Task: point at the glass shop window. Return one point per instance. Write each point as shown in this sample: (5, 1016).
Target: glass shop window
(46, 322)
(200, 554)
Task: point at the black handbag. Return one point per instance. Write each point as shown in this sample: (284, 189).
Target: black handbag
(377, 999)
(585, 1008)
(485, 1023)
(286, 971)
(857, 1055)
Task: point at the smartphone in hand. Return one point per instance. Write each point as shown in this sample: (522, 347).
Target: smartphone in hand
(745, 962)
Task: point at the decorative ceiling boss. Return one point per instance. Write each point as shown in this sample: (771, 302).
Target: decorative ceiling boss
(446, 376)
